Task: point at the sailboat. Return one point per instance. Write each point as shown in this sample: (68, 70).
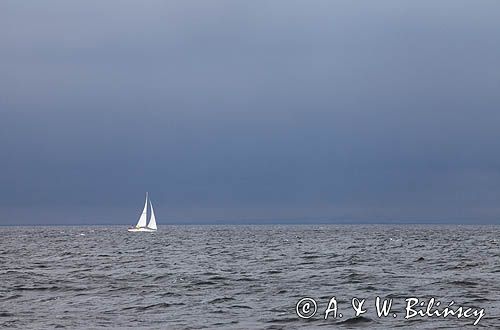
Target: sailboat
(141, 224)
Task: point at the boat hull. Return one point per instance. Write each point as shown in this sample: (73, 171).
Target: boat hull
(142, 229)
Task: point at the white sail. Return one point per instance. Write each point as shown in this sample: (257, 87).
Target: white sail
(144, 215)
(152, 221)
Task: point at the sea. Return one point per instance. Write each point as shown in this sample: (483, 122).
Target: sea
(251, 277)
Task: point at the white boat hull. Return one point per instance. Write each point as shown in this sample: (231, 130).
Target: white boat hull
(144, 229)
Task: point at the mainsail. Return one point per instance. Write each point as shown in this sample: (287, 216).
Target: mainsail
(144, 215)
(152, 221)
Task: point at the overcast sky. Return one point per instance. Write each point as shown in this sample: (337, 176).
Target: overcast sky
(250, 111)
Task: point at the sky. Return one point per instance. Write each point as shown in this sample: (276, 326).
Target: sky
(250, 111)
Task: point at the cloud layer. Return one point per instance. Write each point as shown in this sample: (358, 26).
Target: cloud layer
(250, 111)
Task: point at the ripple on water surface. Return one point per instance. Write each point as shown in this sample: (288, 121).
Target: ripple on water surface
(241, 277)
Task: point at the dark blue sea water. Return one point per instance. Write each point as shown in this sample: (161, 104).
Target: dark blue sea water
(246, 277)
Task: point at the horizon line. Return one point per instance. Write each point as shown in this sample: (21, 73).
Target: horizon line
(255, 224)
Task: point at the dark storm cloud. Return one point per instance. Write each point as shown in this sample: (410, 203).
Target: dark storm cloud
(239, 111)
